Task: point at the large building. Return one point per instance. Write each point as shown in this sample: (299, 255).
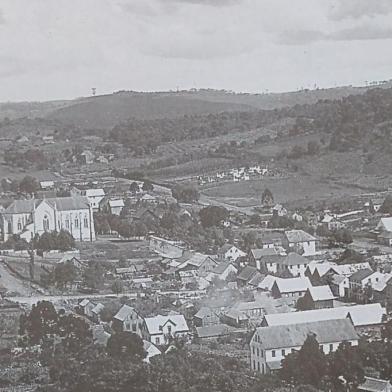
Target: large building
(27, 218)
(270, 345)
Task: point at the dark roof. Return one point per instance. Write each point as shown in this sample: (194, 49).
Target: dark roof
(60, 203)
(361, 274)
(212, 331)
(221, 267)
(374, 385)
(247, 273)
(294, 259)
(263, 252)
(224, 248)
(204, 312)
(294, 335)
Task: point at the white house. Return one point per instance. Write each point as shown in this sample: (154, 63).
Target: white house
(290, 287)
(230, 252)
(93, 195)
(269, 345)
(30, 217)
(161, 329)
(293, 263)
(127, 319)
(300, 241)
(151, 350)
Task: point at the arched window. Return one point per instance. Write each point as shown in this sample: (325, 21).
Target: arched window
(76, 223)
(46, 223)
(19, 225)
(85, 221)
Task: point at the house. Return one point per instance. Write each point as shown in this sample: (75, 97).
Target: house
(112, 206)
(375, 385)
(279, 210)
(87, 306)
(270, 345)
(86, 157)
(222, 271)
(127, 319)
(385, 238)
(252, 309)
(361, 280)
(246, 275)
(198, 262)
(331, 222)
(293, 263)
(151, 350)
(265, 259)
(205, 316)
(339, 285)
(319, 297)
(30, 217)
(235, 318)
(290, 287)
(300, 242)
(93, 195)
(46, 185)
(375, 204)
(230, 252)
(162, 329)
(310, 218)
(96, 312)
(361, 316)
(212, 332)
(267, 283)
(48, 139)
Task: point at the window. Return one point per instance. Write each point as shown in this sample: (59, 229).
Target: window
(254, 350)
(273, 353)
(76, 222)
(85, 221)
(283, 352)
(67, 223)
(258, 366)
(331, 347)
(258, 352)
(157, 340)
(262, 353)
(45, 223)
(19, 225)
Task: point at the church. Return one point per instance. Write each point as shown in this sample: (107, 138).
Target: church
(30, 217)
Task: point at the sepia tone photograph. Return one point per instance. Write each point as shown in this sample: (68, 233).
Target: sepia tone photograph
(195, 196)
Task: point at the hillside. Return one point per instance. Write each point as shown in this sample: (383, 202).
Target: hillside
(106, 111)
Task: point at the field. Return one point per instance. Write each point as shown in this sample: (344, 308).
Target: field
(297, 190)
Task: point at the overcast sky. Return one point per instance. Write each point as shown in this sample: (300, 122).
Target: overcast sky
(53, 49)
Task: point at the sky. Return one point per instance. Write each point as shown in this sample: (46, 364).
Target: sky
(60, 49)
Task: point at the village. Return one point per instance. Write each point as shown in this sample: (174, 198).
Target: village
(133, 256)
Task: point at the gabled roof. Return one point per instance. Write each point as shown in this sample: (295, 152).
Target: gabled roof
(154, 324)
(295, 236)
(94, 192)
(292, 285)
(263, 252)
(98, 308)
(385, 224)
(294, 335)
(321, 293)
(204, 312)
(222, 267)
(361, 315)
(211, 331)
(247, 273)
(374, 385)
(267, 282)
(124, 312)
(116, 203)
(295, 259)
(256, 279)
(224, 248)
(361, 274)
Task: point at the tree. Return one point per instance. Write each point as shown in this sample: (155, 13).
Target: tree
(117, 286)
(74, 331)
(125, 230)
(29, 185)
(307, 366)
(64, 273)
(304, 303)
(134, 187)
(47, 241)
(267, 197)
(147, 186)
(386, 207)
(93, 275)
(65, 241)
(185, 193)
(40, 322)
(213, 215)
(126, 345)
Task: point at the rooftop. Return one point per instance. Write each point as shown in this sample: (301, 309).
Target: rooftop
(295, 236)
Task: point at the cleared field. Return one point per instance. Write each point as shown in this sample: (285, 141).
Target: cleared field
(297, 190)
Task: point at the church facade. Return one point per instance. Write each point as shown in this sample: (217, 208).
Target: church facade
(30, 217)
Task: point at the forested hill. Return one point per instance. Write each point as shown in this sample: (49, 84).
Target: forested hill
(349, 122)
(105, 111)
